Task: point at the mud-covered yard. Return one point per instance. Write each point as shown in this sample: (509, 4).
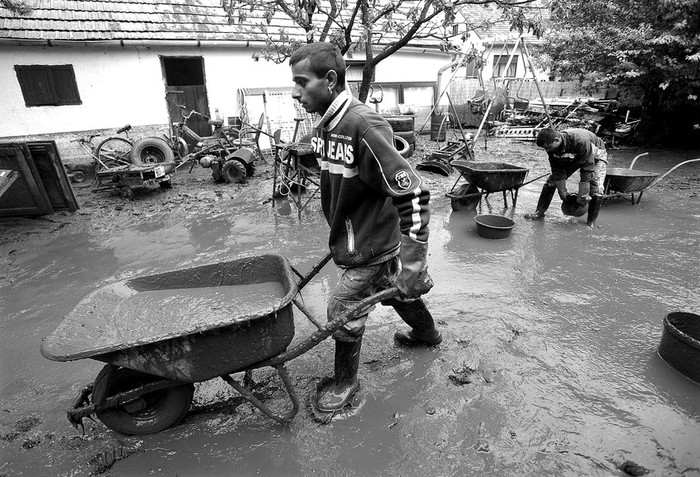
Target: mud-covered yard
(548, 367)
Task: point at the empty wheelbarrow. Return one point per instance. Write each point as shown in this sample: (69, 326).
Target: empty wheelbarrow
(625, 183)
(161, 333)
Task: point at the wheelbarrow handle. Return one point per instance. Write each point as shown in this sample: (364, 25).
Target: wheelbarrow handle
(535, 179)
(331, 327)
(637, 157)
(313, 272)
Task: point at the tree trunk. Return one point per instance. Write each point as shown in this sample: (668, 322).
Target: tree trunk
(367, 75)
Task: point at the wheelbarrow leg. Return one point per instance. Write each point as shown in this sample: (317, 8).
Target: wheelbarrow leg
(247, 394)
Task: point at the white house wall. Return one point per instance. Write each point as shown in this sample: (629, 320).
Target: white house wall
(412, 65)
(124, 85)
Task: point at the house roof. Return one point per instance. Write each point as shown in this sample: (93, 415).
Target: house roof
(179, 20)
(95, 20)
(149, 20)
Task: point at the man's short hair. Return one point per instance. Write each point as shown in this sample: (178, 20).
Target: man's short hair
(546, 136)
(323, 57)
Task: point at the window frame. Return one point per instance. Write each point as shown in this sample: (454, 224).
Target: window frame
(60, 87)
(499, 64)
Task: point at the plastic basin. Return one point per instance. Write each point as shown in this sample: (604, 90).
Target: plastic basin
(493, 226)
(680, 343)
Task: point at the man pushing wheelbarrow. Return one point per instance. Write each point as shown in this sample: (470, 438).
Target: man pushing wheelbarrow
(377, 209)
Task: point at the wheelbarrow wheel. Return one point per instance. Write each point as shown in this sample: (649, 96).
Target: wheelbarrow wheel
(148, 414)
(459, 202)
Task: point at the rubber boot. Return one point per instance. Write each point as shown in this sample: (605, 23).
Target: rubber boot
(417, 316)
(543, 203)
(593, 209)
(345, 383)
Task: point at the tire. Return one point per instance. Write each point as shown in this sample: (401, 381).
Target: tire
(409, 136)
(246, 156)
(166, 184)
(148, 414)
(250, 169)
(401, 123)
(411, 150)
(151, 150)
(181, 149)
(78, 176)
(113, 152)
(234, 172)
(466, 203)
(401, 145)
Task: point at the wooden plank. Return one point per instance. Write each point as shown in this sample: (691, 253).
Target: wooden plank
(6, 179)
(26, 196)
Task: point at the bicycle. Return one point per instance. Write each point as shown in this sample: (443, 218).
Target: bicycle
(111, 152)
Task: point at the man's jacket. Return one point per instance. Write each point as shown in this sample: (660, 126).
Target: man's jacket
(580, 149)
(370, 194)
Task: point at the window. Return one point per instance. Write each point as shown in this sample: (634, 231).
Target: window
(184, 71)
(499, 66)
(48, 85)
(393, 94)
(455, 29)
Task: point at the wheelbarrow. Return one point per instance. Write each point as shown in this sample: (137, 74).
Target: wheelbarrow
(625, 183)
(484, 178)
(162, 333)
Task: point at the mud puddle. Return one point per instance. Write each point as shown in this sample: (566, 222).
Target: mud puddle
(548, 366)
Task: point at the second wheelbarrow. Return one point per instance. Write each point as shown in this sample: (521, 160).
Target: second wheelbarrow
(625, 183)
(161, 333)
(484, 178)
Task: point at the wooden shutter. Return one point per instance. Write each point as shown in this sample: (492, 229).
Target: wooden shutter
(65, 85)
(37, 85)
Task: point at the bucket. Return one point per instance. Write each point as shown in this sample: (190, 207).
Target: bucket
(438, 130)
(680, 343)
(493, 226)
(572, 208)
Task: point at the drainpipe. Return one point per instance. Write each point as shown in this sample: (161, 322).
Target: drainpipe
(455, 62)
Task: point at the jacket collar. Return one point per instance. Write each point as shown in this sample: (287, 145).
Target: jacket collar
(335, 111)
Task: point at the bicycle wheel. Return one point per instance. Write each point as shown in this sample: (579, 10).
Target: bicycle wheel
(113, 152)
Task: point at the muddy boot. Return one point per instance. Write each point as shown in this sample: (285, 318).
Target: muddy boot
(545, 199)
(593, 209)
(340, 391)
(417, 316)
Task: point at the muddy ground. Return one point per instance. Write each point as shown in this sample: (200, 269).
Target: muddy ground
(548, 366)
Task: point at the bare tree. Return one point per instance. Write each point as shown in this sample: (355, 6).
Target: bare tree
(375, 28)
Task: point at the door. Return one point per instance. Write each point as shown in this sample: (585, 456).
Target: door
(185, 85)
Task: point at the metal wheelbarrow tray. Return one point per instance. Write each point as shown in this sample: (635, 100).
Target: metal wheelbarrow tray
(188, 325)
(492, 176)
(161, 333)
(483, 178)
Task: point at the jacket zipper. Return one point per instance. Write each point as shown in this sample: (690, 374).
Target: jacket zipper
(351, 236)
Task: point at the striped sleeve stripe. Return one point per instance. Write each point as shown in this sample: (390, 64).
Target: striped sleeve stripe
(416, 215)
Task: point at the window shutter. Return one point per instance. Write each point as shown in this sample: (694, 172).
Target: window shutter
(37, 85)
(66, 87)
